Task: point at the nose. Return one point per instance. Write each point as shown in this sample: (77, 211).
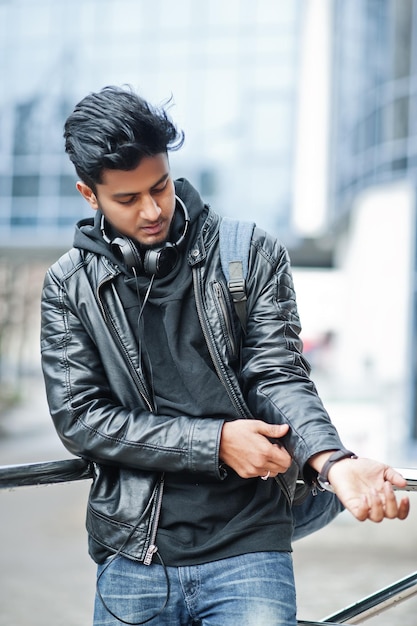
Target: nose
(149, 209)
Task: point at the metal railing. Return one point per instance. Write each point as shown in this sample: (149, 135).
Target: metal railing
(68, 470)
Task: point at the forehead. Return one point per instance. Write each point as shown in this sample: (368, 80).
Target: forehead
(148, 173)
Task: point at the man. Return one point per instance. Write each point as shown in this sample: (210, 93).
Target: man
(196, 429)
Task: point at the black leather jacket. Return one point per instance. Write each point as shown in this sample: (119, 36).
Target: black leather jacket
(101, 406)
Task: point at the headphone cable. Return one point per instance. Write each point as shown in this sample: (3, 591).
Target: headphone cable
(148, 361)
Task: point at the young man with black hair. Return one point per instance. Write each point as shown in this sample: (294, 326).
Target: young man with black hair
(197, 430)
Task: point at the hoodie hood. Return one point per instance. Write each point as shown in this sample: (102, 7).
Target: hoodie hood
(89, 234)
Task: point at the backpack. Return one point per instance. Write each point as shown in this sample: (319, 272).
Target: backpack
(234, 239)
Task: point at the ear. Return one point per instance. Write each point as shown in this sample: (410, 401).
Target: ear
(88, 194)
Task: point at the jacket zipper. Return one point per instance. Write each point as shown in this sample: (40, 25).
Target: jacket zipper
(152, 547)
(226, 316)
(140, 383)
(213, 350)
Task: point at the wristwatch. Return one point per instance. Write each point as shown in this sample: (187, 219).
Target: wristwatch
(323, 476)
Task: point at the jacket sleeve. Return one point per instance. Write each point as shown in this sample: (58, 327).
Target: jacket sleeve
(94, 403)
(275, 375)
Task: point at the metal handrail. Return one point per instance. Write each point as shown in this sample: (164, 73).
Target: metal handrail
(45, 473)
(376, 603)
(304, 623)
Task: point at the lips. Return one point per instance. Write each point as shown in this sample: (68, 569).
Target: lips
(153, 229)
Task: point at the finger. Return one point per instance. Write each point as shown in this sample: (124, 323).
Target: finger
(274, 468)
(404, 508)
(279, 461)
(394, 477)
(273, 431)
(391, 505)
(361, 512)
(392, 508)
(275, 460)
(378, 505)
(371, 507)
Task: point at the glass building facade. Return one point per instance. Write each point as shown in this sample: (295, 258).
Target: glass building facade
(229, 67)
(374, 106)
(374, 117)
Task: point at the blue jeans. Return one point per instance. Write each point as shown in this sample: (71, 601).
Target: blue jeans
(249, 590)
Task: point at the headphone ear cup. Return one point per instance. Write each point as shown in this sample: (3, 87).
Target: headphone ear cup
(157, 262)
(128, 253)
(160, 261)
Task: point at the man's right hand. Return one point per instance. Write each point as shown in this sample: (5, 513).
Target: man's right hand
(245, 446)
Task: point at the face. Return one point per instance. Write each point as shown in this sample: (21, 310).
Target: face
(139, 203)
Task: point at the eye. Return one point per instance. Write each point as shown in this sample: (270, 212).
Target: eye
(129, 201)
(160, 188)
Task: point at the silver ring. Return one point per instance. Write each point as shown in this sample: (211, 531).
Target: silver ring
(266, 476)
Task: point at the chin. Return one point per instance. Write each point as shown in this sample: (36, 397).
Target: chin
(155, 244)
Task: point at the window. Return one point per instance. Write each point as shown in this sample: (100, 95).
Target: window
(25, 185)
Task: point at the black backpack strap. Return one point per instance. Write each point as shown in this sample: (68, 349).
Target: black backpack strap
(235, 239)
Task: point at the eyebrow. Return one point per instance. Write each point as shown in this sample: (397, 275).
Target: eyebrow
(122, 194)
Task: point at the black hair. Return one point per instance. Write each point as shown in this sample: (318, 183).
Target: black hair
(114, 129)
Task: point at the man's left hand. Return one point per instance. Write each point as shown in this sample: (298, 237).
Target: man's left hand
(366, 488)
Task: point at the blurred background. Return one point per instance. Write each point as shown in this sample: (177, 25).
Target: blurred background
(299, 114)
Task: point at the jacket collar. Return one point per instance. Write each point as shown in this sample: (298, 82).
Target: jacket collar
(205, 238)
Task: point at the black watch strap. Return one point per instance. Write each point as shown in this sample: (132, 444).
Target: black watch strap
(323, 477)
